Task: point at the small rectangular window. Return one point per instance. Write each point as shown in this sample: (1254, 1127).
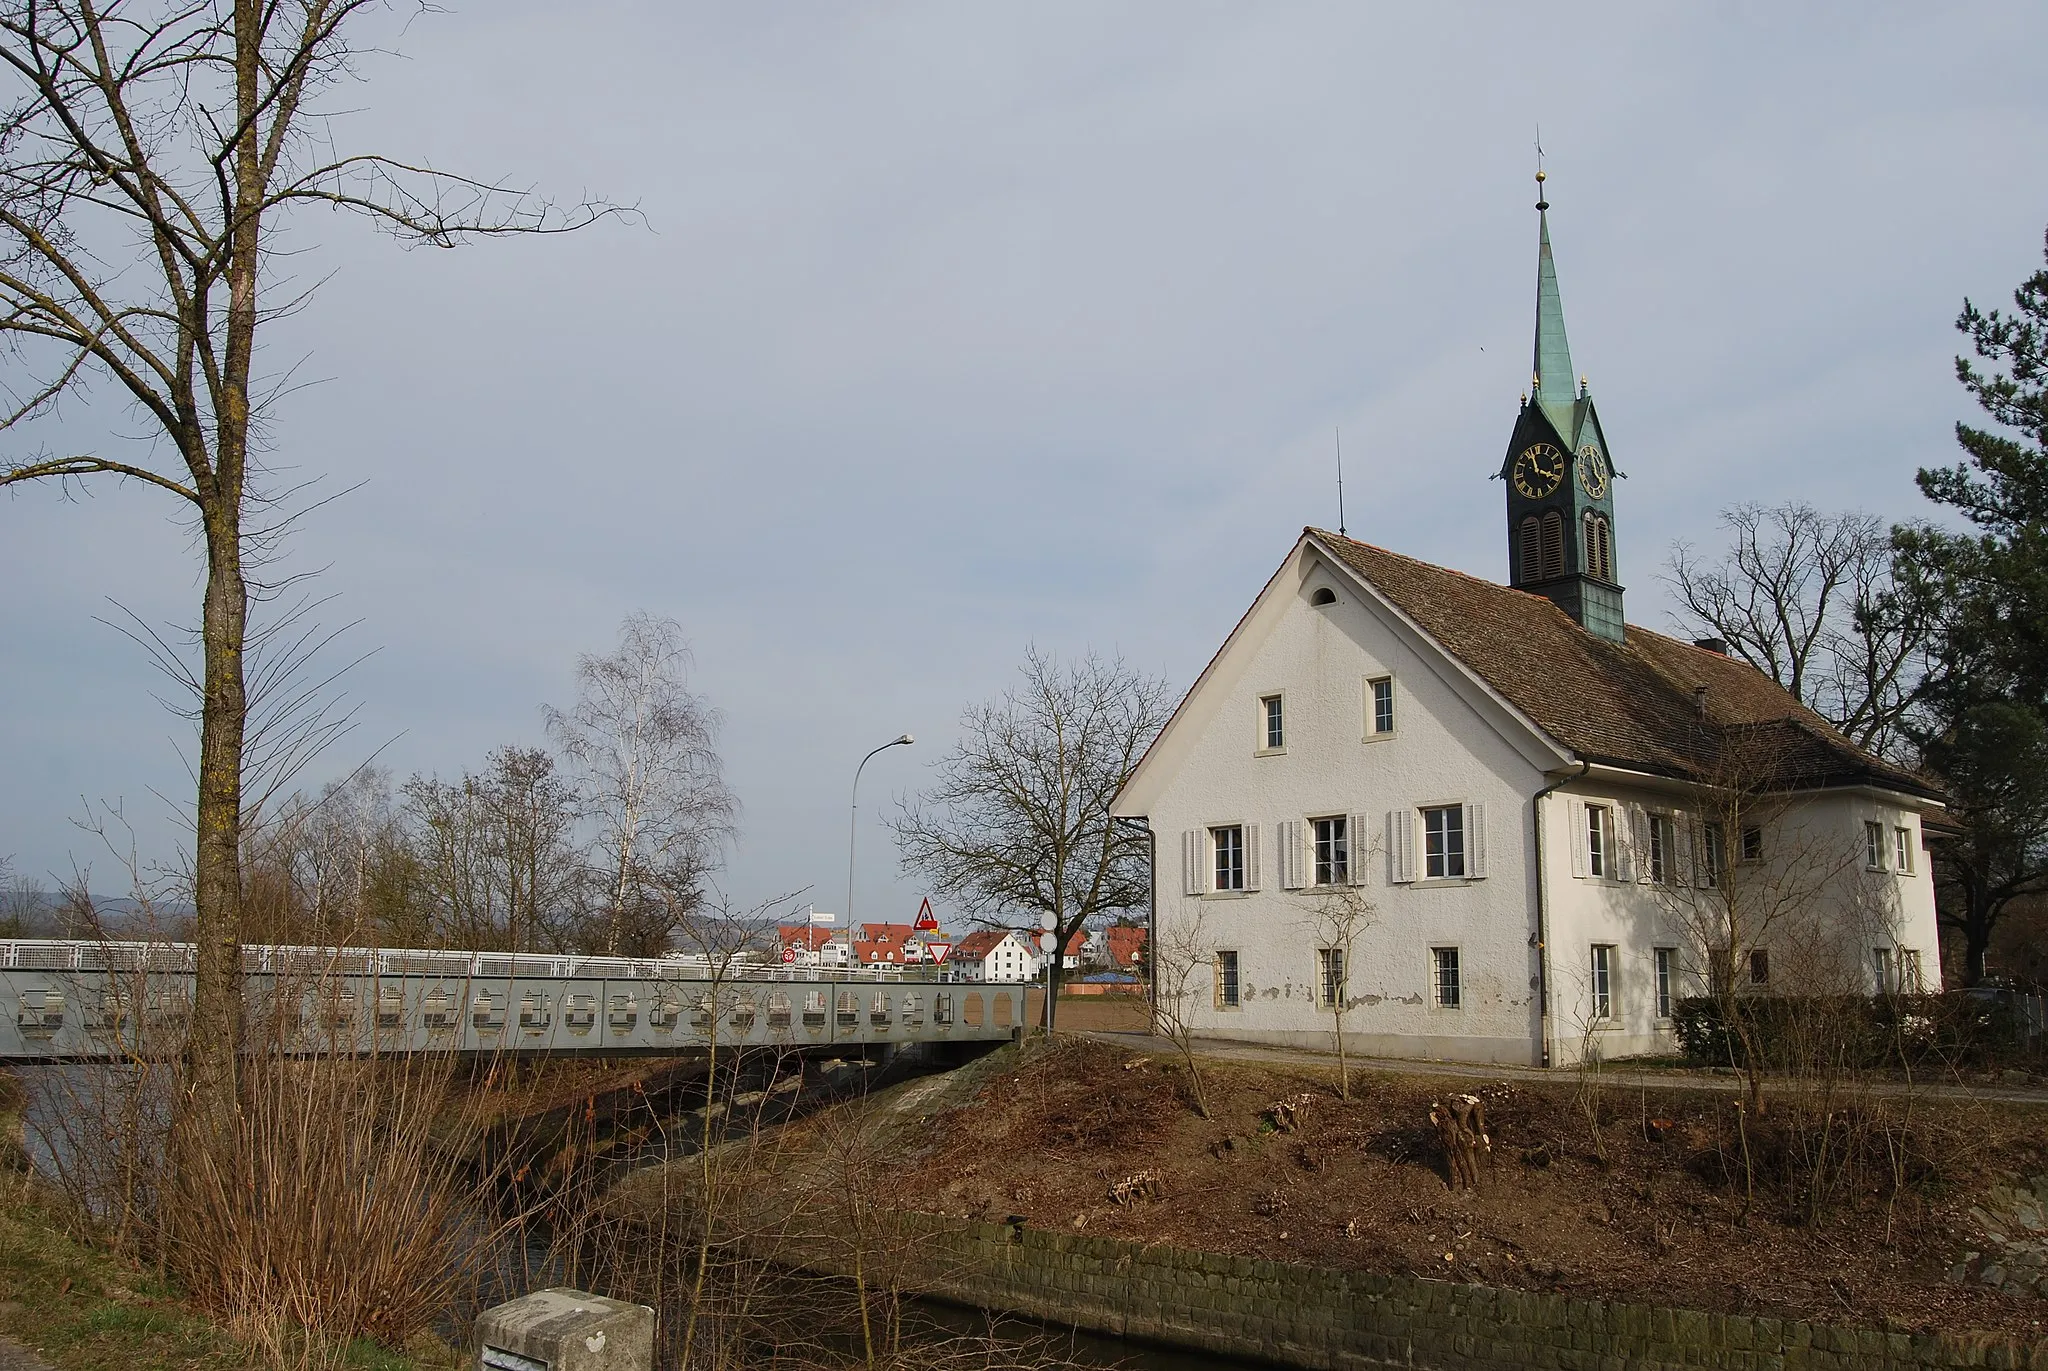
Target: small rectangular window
(1226, 980)
(1666, 958)
(1873, 845)
(1382, 705)
(1663, 846)
(1272, 724)
(1443, 842)
(1902, 843)
(1333, 850)
(1330, 976)
(1759, 966)
(1599, 834)
(1713, 852)
(1752, 843)
(1449, 992)
(1881, 963)
(1603, 982)
(1229, 844)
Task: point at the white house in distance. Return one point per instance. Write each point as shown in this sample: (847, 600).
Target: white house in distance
(997, 954)
(1521, 787)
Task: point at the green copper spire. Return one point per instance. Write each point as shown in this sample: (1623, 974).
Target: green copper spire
(1553, 379)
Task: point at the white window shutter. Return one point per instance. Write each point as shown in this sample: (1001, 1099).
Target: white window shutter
(1681, 829)
(1287, 833)
(1475, 841)
(1401, 844)
(1194, 862)
(1251, 856)
(1361, 849)
(1636, 846)
(1575, 820)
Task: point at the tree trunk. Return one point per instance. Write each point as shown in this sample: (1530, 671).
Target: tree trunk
(212, 1050)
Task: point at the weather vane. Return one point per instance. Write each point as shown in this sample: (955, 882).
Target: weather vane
(1542, 201)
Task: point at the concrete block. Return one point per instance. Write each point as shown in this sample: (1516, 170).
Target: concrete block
(565, 1330)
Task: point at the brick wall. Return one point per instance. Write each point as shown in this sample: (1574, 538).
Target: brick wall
(1310, 1317)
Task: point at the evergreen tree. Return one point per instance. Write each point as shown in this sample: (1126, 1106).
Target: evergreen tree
(1985, 726)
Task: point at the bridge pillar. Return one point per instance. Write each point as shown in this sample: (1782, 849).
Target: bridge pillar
(565, 1330)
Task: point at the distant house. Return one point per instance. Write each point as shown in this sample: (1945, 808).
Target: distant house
(811, 945)
(999, 954)
(887, 945)
(1123, 947)
(1070, 955)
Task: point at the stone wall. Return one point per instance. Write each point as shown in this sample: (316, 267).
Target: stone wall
(1310, 1317)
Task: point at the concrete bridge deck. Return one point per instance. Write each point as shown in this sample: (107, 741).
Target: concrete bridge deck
(112, 1001)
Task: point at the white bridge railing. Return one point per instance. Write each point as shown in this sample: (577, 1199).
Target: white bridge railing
(25, 954)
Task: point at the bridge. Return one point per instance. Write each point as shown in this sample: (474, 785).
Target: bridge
(116, 1001)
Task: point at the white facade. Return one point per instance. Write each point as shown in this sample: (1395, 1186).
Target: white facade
(1445, 958)
(1010, 960)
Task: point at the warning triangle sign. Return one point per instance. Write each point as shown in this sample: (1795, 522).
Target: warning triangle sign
(927, 922)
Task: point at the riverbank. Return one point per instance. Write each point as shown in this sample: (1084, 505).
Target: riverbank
(1633, 1195)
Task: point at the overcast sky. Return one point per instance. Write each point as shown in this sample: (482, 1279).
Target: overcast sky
(955, 327)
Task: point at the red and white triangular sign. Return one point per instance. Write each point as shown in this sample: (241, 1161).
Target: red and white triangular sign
(927, 922)
(937, 951)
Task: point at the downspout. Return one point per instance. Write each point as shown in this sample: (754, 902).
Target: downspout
(1542, 918)
(1143, 822)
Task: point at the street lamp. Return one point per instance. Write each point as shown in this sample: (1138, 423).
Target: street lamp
(853, 830)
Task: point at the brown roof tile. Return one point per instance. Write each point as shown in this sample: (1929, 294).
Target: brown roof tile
(1631, 703)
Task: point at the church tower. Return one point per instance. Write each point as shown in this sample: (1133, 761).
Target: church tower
(1559, 477)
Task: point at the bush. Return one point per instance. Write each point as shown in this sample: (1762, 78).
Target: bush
(1945, 1031)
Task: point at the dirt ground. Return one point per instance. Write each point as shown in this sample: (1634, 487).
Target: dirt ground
(1582, 1192)
(1093, 1013)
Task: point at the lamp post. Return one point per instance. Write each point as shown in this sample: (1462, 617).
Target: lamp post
(853, 832)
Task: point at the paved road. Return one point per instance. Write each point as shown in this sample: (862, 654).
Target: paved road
(1619, 1075)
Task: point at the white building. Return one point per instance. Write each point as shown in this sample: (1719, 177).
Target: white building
(997, 955)
(1518, 798)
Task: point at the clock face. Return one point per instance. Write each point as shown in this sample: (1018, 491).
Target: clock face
(1593, 471)
(1539, 470)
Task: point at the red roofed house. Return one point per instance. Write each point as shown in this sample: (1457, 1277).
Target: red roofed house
(887, 945)
(1125, 947)
(999, 954)
(811, 945)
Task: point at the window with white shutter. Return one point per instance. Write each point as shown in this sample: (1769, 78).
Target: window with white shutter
(1475, 841)
(1401, 845)
(1361, 855)
(1251, 856)
(1194, 862)
(1288, 833)
(1576, 831)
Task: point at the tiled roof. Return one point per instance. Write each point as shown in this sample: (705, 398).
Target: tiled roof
(810, 937)
(979, 945)
(1630, 704)
(1126, 944)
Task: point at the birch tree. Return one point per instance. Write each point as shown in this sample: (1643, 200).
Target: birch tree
(150, 153)
(650, 779)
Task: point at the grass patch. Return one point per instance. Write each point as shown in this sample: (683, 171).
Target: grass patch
(83, 1309)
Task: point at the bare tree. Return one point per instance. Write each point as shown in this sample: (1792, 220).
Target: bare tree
(1018, 822)
(1809, 599)
(24, 906)
(1337, 917)
(495, 855)
(1761, 890)
(151, 153)
(1182, 966)
(650, 779)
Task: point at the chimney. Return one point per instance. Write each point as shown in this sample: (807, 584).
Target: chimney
(1699, 700)
(1718, 646)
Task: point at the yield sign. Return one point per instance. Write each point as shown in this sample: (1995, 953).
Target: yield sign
(937, 951)
(926, 921)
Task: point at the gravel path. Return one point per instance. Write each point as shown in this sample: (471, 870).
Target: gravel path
(1613, 1075)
